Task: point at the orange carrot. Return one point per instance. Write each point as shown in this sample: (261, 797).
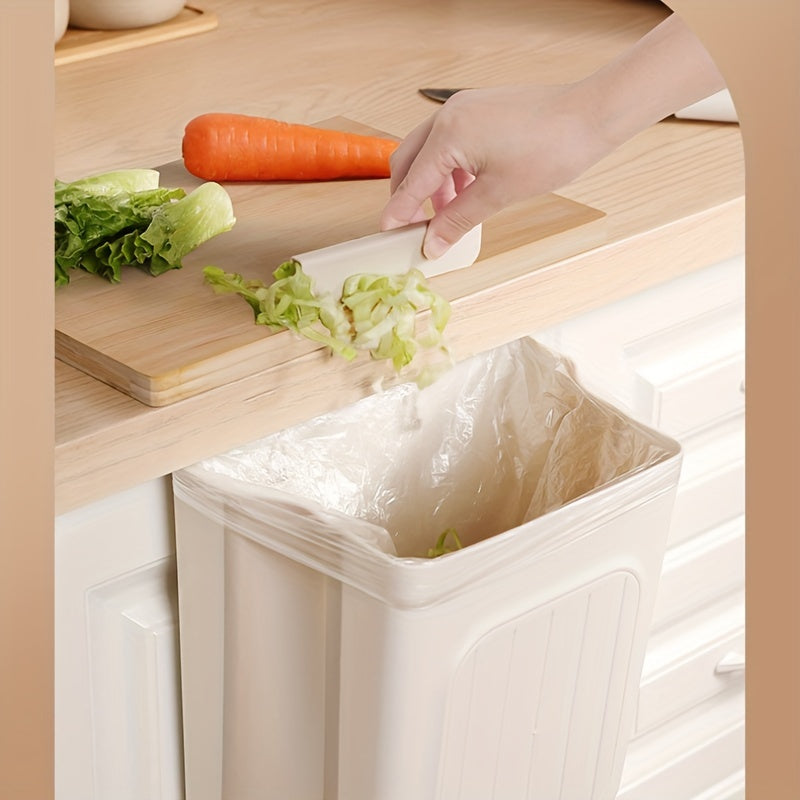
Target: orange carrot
(239, 147)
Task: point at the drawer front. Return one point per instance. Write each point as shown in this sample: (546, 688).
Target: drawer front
(691, 662)
(712, 484)
(672, 356)
(700, 571)
(730, 788)
(691, 375)
(692, 758)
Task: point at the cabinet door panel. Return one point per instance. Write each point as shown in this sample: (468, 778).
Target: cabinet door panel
(630, 351)
(682, 665)
(134, 654)
(699, 753)
(700, 571)
(117, 699)
(691, 375)
(711, 489)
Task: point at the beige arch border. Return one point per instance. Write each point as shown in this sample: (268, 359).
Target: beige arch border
(756, 44)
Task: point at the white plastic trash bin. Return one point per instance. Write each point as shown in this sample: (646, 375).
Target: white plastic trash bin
(325, 657)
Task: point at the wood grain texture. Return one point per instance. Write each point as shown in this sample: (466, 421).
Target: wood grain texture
(78, 44)
(103, 432)
(164, 339)
(673, 196)
(307, 60)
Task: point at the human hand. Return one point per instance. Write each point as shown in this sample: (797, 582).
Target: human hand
(488, 148)
(485, 149)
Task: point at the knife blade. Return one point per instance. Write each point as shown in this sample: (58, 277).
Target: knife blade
(439, 95)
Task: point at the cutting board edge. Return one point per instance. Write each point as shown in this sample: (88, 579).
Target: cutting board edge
(153, 395)
(170, 386)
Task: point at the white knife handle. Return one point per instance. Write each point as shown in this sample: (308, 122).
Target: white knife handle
(717, 107)
(386, 253)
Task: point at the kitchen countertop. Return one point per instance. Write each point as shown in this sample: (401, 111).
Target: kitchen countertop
(673, 196)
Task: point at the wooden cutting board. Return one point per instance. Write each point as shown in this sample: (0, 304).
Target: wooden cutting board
(170, 337)
(79, 44)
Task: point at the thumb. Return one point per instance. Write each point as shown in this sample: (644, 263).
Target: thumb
(468, 209)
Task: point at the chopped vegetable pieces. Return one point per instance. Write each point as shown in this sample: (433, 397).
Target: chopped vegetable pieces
(376, 313)
(441, 547)
(289, 302)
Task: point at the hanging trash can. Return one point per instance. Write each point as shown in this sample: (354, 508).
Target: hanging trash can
(327, 654)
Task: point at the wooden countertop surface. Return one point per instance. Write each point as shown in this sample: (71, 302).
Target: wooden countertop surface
(673, 196)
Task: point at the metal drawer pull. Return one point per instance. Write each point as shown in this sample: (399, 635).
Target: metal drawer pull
(730, 662)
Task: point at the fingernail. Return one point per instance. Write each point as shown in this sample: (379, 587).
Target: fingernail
(434, 247)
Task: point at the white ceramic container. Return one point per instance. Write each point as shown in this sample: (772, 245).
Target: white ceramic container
(61, 18)
(121, 14)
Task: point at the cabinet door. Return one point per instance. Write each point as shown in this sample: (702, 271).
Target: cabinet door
(117, 693)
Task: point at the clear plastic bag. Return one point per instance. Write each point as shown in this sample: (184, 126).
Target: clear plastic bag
(305, 593)
(501, 439)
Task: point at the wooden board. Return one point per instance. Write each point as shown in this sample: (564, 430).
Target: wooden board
(171, 337)
(78, 44)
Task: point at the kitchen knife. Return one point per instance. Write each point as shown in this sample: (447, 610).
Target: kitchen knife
(385, 253)
(716, 108)
(440, 95)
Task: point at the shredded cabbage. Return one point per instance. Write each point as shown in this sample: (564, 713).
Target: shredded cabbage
(384, 310)
(375, 313)
(441, 547)
(290, 302)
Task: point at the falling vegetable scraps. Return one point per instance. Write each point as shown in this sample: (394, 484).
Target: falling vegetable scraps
(376, 313)
(441, 547)
(120, 218)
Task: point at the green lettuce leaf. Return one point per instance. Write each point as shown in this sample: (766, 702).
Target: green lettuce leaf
(122, 181)
(178, 228)
(108, 221)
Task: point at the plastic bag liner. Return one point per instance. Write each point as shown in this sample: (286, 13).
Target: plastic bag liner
(502, 439)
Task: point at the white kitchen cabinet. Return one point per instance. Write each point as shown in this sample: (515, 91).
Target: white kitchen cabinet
(697, 756)
(117, 692)
(673, 357)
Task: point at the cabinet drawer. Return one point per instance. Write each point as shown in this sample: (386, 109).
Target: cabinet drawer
(700, 571)
(711, 488)
(731, 788)
(691, 375)
(672, 334)
(691, 756)
(690, 662)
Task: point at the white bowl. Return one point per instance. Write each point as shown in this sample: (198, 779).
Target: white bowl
(118, 14)
(61, 18)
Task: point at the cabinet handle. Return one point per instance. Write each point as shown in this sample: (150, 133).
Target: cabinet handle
(730, 662)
